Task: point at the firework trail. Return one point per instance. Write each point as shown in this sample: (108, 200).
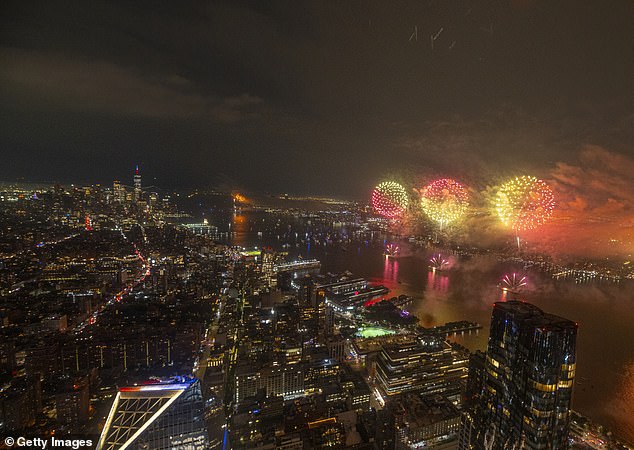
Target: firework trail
(513, 283)
(437, 262)
(392, 250)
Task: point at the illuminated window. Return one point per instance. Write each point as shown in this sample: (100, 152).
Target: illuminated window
(544, 387)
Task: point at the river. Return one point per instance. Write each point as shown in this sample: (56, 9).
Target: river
(604, 385)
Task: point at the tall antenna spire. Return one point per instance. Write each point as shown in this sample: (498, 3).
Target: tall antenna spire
(137, 184)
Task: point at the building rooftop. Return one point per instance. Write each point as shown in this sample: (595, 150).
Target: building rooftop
(422, 410)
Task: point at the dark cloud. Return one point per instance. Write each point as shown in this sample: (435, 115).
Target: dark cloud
(235, 109)
(54, 82)
(321, 97)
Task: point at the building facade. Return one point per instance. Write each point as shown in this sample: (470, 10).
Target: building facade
(157, 416)
(427, 364)
(526, 388)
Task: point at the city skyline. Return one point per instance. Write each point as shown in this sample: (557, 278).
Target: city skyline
(303, 320)
(562, 224)
(243, 225)
(330, 100)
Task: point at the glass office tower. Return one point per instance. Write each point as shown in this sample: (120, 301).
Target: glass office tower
(164, 415)
(525, 392)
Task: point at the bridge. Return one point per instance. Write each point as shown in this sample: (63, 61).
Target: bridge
(304, 264)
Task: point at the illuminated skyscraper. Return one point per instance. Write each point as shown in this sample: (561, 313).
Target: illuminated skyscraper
(157, 416)
(137, 184)
(118, 192)
(268, 271)
(525, 382)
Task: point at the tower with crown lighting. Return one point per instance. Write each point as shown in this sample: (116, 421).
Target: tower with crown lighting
(137, 184)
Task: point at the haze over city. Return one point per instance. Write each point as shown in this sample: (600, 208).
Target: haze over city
(251, 211)
(327, 98)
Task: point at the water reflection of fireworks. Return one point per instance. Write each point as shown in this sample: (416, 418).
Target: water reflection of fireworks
(390, 269)
(437, 281)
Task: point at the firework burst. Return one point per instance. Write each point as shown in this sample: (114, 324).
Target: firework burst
(389, 199)
(437, 262)
(513, 283)
(392, 250)
(444, 201)
(524, 203)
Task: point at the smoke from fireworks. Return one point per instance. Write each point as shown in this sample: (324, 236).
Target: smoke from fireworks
(524, 203)
(389, 199)
(444, 201)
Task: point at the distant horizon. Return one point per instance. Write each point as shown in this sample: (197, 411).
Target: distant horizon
(221, 190)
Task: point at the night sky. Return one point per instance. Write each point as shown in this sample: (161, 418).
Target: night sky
(314, 97)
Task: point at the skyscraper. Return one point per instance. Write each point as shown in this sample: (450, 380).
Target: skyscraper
(268, 270)
(118, 192)
(156, 416)
(137, 184)
(526, 388)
